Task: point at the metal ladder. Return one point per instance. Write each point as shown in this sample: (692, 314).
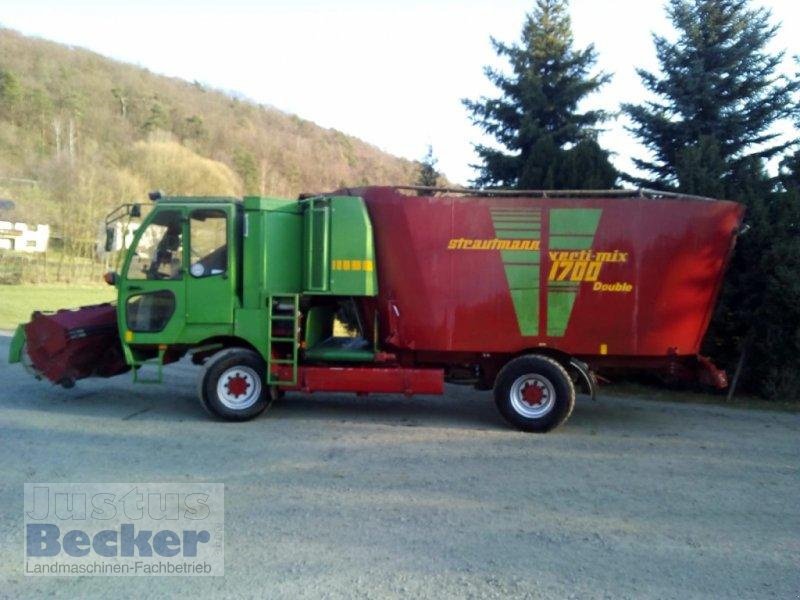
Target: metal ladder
(157, 361)
(284, 309)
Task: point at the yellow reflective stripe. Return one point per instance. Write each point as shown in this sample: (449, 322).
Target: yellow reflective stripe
(354, 264)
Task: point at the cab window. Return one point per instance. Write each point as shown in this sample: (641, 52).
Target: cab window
(150, 312)
(208, 242)
(159, 252)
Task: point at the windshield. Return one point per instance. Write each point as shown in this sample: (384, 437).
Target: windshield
(159, 253)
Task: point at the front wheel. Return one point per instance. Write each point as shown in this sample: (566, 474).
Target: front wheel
(232, 385)
(534, 393)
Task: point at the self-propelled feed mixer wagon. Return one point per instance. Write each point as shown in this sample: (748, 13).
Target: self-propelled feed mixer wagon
(396, 290)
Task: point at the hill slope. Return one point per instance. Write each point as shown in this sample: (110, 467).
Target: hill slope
(90, 132)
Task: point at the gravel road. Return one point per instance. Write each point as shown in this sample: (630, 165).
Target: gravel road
(336, 496)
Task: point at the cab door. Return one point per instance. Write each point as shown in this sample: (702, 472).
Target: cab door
(151, 290)
(211, 280)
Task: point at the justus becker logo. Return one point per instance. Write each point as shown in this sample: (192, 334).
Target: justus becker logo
(124, 529)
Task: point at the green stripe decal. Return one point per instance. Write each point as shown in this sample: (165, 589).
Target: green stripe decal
(526, 305)
(514, 226)
(521, 266)
(570, 229)
(522, 276)
(574, 220)
(504, 234)
(570, 242)
(559, 308)
(554, 285)
(519, 256)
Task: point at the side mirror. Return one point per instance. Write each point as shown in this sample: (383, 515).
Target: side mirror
(110, 239)
(110, 278)
(136, 211)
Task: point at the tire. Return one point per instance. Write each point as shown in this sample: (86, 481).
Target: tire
(232, 386)
(546, 406)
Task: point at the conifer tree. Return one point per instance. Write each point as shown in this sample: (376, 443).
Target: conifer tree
(545, 140)
(709, 130)
(428, 175)
(717, 93)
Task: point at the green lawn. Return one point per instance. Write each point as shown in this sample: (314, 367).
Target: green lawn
(18, 301)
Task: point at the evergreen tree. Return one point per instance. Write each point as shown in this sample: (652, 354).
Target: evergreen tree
(546, 141)
(776, 347)
(157, 119)
(428, 175)
(775, 370)
(717, 96)
(759, 312)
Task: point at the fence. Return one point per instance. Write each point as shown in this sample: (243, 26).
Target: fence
(52, 266)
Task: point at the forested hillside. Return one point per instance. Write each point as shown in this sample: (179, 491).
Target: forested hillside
(80, 133)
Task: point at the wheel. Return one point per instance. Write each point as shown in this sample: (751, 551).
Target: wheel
(534, 393)
(231, 385)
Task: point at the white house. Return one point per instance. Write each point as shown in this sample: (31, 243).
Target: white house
(21, 237)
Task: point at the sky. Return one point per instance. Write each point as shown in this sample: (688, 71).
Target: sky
(392, 73)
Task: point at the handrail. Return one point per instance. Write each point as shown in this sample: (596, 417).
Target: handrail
(621, 193)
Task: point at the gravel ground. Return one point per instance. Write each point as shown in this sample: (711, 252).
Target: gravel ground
(337, 496)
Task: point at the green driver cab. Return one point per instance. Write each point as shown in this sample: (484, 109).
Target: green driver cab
(203, 274)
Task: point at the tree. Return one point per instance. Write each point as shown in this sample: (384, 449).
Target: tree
(37, 114)
(10, 94)
(246, 167)
(72, 104)
(193, 128)
(121, 96)
(585, 166)
(773, 369)
(716, 96)
(536, 119)
(157, 119)
(428, 175)
(758, 315)
(708, 129)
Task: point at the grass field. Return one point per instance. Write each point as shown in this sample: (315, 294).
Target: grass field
(18, 301)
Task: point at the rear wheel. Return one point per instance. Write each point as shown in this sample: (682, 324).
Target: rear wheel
(232, 385)
(534, 393)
